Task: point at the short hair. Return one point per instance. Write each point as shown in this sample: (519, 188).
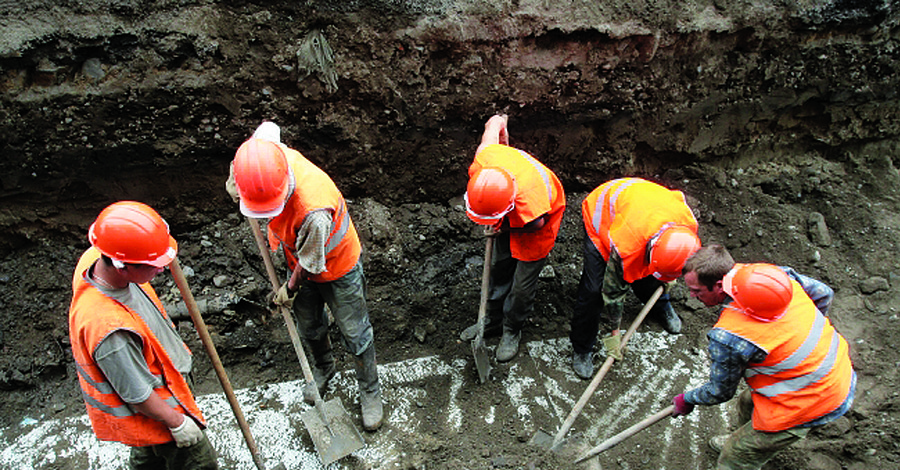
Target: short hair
(711, 263)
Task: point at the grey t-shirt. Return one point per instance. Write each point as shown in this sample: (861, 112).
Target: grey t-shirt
(119, 354)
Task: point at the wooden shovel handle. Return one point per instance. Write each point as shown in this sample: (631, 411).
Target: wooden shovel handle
(288, 319)
(627, 433)
(200, 325)
(570, 420)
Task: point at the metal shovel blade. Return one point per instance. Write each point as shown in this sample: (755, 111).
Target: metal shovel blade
(335, 438)
(482, 362)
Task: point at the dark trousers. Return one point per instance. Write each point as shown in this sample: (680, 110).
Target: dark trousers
(512, 287)
(589, 299)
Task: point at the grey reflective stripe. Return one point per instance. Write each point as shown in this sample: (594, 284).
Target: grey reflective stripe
(799, 383)
(117, 411)
(105, 388)
(805, 349)
(343, 221)
(543, 172)
(598, 211)
(100, 387)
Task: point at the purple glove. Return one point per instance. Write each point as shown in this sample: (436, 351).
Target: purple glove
(682, 407)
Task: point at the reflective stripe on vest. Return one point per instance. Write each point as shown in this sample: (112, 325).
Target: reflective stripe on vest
(105, 388)
(799, 383)
(540, 169)
(342, 222)
(619, 185)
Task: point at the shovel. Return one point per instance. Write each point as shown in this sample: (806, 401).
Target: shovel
(482, 362)
(200, 325)
(627, 433)
(542, 438)
(329, 425)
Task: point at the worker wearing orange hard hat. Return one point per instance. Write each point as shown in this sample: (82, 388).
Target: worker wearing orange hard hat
(309, 220)
(132, 365)
(774, 333)
(523, 203)
(637, 234)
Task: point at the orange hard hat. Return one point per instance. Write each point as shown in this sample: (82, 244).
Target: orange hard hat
(132, 232)
(672, 248)
(762, 291)
(490, 195)
(262, 177)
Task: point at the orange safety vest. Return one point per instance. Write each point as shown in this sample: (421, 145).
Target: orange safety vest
(92, 317)
(538, 192)
(807, 372)
(314, 190)
(627, 213)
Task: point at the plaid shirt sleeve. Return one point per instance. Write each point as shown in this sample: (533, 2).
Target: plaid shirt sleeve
(729, 356)
(818, 291)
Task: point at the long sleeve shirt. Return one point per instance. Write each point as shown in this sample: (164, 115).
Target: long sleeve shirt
(730, 356)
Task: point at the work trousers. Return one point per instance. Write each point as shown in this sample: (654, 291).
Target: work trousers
(749, 449)
(346, 298)
(513, 285)
(589, 297)
(168, 456)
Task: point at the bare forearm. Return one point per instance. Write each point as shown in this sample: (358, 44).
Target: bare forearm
(155, 408)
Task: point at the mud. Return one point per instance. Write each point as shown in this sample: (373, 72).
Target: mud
(780, 123)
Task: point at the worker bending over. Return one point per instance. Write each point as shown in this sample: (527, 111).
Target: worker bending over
(774, 333)
(523, 203)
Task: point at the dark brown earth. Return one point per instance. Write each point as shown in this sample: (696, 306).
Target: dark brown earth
(778, 120)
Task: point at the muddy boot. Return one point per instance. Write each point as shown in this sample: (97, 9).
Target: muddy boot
(323, 368)
(671, 322)
(369, 390)
(509, 346)
(489, 330)
(583, 364)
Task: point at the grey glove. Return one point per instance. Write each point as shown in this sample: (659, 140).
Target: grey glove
(231, 186)
(187, 434)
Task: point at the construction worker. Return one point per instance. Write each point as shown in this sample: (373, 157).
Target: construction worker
(636, 233)
(309, 219)
(773, 332)
(132, 365)
(523, 203)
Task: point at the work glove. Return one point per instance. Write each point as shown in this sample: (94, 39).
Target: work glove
(231, 186)
(284, 297)
(682, 408)
(187, 433)
(612, 345)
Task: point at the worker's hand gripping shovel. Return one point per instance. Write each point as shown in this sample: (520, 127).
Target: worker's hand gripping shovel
(647, 422)
(330, 427)
(542, 438)
(482, 361)
(200, 325)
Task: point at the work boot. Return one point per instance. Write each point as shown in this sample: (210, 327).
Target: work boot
(717, 443)
(369, 390)
(489, 330)
(583, 364)
(323, 368)
(671, 322)
(509, 346)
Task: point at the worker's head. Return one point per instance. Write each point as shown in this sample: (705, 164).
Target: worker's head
(132, 233)
(670, 250)
(262, 177)
(704, 271)
(760, 290)
(490, 195)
